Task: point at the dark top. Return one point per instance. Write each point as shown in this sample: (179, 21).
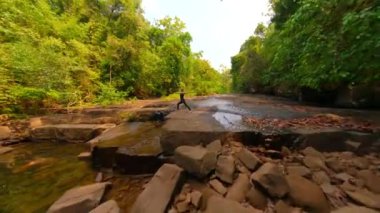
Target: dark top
(182, 95)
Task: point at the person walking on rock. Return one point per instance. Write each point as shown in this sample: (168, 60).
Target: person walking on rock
(182, 100)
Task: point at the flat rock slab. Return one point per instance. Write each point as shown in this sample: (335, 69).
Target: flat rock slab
(271, 178)
(190, 128)
(73, 133)
(160, 190)
(107, 207)
(222, 205)
(80, 199)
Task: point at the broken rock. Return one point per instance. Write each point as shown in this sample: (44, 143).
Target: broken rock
(299, 170)
(250, 160)
(314, 163)
(320, 177)
(225, 168)
(195, 160)
(160, 190)
(371, 180)
(221, 205)
(215, 146)
(307, 194)
(218, 186)
(107, 207)
(80, 199)
(239, 189)
(282, 207)
(5, 132)
(310, 151)
(256, 198)
(354, 209)
(365, 197)
(196, 197)
(272, 179)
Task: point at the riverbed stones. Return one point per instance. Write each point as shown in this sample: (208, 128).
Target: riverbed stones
(222, 205)
(314, 163)
(256, 198)
(225, 168)
(310, 151)
(320, 177)
(215, 146)
(271, 178)
(307, 194)
(371, 180)
(5, 132)
(249, 159)
(298, 170)
(364, 197)
(107, 207)
(282, 207)
(354, 209)
(160, 190)
(196, 160)
(218, 186)
(239, 189)
(335, 164)
(196, 198)
(79, 199)
(72, 133)
(361, 162)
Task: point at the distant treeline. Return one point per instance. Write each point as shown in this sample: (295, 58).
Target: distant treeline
(320, 45)
(70, 52)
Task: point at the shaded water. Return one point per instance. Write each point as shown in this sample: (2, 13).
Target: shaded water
(34, 175)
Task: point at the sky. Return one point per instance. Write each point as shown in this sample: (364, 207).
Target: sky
(218, 27)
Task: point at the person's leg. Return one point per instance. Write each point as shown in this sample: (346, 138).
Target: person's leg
(184, 102)
(178, 104)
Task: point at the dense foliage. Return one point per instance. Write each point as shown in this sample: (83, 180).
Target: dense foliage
(78, 51)
(316, 44)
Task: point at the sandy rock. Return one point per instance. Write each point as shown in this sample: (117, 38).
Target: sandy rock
(183, 206)
(241, 168)
(5, 149)
(371, 180)
(364, 197)
(344, 177)
(310, 151)
(361, 163)
(282, 207)
(256, 198)
(239, 189)
(285, 151)
(79, 199)
(215, 146)
(307, 194)
(221, 205)
(225, 168)
(218, 186)
(160, 190)
(250, 160)
(298, 170)
(335, 164)
(314, 163)
(354, 209)
(107, 207)
(5, 132)
(196, 198)
(195, 160)
(320, 177)
(272, 179)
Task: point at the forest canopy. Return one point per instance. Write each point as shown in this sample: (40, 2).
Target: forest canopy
(70, 52)
(317, 44)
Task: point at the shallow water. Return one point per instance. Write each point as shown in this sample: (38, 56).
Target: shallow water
(34, 175)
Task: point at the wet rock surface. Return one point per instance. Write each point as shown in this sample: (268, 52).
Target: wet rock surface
(80, 199)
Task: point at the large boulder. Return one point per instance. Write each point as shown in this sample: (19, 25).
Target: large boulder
(225, 168)
(371, 180)
(271, 178)
(160, 190)
(307, 194)
(195, 159)
(250, 160)
(239, 189)
(107, 207)
(222, 205)
(80, 199)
